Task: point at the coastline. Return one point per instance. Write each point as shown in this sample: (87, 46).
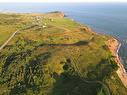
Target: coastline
(114, 46)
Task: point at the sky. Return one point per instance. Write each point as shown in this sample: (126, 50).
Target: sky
(63, 1)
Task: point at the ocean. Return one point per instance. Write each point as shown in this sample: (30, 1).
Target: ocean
(106, 18)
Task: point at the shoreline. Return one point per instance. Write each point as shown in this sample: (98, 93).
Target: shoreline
(121, 72)
(114, 46)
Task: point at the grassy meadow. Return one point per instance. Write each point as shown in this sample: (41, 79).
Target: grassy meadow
(53, 55)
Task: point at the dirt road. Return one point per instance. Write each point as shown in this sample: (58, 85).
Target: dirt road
(7, 41)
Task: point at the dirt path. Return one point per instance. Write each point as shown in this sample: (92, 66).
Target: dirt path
(114, 46)
(5, 43)
(8, 40)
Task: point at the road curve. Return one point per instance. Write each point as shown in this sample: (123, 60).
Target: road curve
(5, 43)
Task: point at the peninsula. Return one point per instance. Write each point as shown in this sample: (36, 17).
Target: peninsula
(50, 54)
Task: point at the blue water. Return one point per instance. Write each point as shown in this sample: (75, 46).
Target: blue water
(107, 18)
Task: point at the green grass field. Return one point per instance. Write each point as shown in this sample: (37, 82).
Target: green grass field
(54, 56)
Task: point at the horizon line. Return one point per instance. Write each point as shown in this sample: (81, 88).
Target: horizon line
(63, 1)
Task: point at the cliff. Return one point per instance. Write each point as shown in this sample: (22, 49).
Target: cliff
(114, 46)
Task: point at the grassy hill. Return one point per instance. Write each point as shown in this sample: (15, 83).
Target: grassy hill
(54, 55)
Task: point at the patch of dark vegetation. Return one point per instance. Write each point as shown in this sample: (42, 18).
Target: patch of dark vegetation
(70, 83)
(104, 69)
(9, 60)
(80, 43)
(105, 47)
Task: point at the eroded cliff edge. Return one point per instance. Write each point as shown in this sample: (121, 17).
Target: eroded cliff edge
(114, 45)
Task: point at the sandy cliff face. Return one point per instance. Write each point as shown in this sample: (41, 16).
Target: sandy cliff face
(114, 46)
